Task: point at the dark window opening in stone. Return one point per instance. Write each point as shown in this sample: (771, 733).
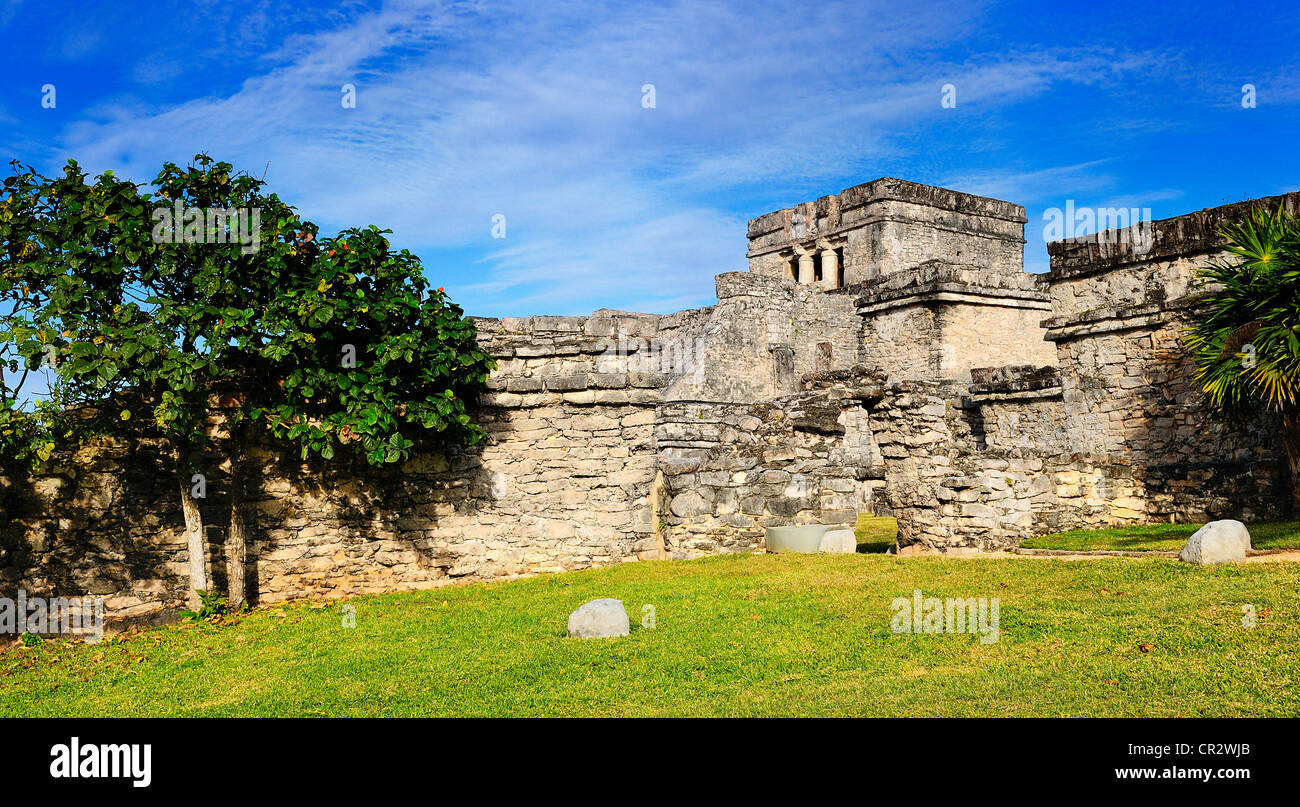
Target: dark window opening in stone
(974, 417)
(839, 264)
(793, 268)
(817, 271)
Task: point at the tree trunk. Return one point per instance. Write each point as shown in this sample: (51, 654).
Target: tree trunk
(193, 533)
(1291, 440)
(237, 536)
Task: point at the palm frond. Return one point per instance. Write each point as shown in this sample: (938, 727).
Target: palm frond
(1245, 342)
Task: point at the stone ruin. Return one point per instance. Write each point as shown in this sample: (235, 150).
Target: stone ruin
(885, 353)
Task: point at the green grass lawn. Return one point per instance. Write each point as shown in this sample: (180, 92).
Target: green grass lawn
(735, 635)
(875, 533)
(1281, 535)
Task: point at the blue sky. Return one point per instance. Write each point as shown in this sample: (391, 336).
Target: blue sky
(534, 111)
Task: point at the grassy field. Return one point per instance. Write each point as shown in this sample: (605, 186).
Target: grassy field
(875, 533)
(1281, 535)
(735, 635)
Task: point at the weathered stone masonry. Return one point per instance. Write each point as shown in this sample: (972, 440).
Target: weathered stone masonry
(1113, 431)
(885, 353)
(564, 481)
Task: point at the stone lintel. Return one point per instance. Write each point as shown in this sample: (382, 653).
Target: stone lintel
(1013, 378)
(584, 397)
(1080, 331)
(1023, 396)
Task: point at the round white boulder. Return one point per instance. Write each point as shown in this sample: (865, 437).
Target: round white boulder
(1217, 542)
(839, 542)
(599, 619)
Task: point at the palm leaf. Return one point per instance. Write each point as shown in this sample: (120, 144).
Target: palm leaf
(1252, 299)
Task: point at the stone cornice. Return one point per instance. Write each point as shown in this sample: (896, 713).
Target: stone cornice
(939, 282)
(840, 232)
(1112, 319)
(953, 293)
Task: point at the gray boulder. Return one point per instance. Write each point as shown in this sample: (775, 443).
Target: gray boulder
(599, 619)
(1217, 542)
(839, 542)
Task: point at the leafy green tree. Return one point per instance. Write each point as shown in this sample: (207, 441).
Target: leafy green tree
(1246, 344)
(27, 225)
(231, 334)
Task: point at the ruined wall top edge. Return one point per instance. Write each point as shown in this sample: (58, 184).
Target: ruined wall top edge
(1179, 236)
(890, 189)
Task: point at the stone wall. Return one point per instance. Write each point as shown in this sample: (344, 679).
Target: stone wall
(1114, 430)
(982, 467)
(1116, 269)
(940, 383)
(105, 521)
(731, 470)
(565, 480)
(1120, 318)
(762, 337)
(941, 319)
(1016, 408)
(573, 472)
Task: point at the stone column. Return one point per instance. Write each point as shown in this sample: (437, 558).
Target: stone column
(806, 267)
(830, 269)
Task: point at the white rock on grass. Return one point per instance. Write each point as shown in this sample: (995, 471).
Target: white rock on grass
(599, 619)
(1217, 542)
(839, 542)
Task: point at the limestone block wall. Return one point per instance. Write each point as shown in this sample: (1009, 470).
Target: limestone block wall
(731, 470)
(905, 341)
(965, 471)
(979, 335)
(1128, 389)
(1118, 269)
(941, 319)
(588, 461)
(565, 480)
(104, 521)
(557, 486)
(1016, 408)
(761, 338)
(909, 233)
(1117, 432)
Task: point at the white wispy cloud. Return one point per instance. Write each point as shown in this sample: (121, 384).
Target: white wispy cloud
(1040, 185)
(464, 112)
